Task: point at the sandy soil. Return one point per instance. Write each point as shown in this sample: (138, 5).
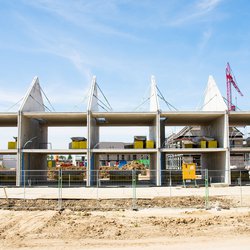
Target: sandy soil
(152, 227)
(116, 204)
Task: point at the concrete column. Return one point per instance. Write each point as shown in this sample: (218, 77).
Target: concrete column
(217, 162)
(154, 134)
(227, 146)
(93, 140)
(31, 134)
(162, 137)
(93, 133)
(19, 156)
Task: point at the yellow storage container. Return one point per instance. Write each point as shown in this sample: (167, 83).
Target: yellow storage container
(188, 145)
(188, 171)
(82, 144)
(138, 144)
(203, 144)
(50, 164)
(12, 144)
(212, 144)
(75, 145)
(150, 144)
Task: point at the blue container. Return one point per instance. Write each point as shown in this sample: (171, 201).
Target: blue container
(122, 163)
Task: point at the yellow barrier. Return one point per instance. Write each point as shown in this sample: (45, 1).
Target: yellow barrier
(150, 144)
(203, 144)
(12, 145)
(138, 144)
(83, 144)
(75, 145)
(212, 144)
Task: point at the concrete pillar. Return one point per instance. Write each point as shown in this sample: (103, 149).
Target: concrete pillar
(31, 134)
(218, 162)
(93, 140)
(93, 133)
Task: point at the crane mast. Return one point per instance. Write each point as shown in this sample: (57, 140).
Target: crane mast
(230, 79)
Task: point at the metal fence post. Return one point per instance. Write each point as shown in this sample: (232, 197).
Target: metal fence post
(240, 190)
(97, 184)
(60, 189)
(206, 190)
(170, 184)
(134, 206)
(170, 171)
(24, 187)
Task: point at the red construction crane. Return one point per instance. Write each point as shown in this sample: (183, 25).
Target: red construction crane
(231, 80)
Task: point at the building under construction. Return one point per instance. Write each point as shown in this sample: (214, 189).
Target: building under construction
(214, 148)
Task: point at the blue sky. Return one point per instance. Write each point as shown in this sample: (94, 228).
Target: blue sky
(123, 43)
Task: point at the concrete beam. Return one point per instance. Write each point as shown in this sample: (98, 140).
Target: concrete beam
(8, 119)
(124, 118)
(58, 119)
(56, 151)
(188, 118)
(239, 118)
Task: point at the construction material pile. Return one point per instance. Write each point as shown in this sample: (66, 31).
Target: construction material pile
(104, 171)
(75, 172)
(133, 165)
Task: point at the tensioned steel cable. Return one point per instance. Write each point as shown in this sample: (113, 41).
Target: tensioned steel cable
(102, 102)
(103, 107)
(104, 96)
(163, 98)
(97, 104)
(43, 105)
(208, 101)
(82, 101)
(143, 102)
(15, 104)
(165, 102)
(47, 99)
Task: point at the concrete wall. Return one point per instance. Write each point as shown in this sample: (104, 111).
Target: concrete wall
(217, 130)
(215, 163)
(218, 161)
(37, 134)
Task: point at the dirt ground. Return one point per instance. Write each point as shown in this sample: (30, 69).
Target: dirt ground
(117, 204)
(154, 226)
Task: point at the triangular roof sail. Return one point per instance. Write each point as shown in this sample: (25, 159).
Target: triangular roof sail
(33, 100)
(213, 100)
(93, 101)
(154, 103)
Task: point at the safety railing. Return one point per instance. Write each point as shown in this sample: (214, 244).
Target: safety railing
(124, 189)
